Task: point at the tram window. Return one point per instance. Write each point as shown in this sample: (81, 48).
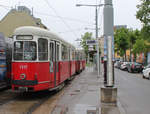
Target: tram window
(51, 51)
(18, 51)
(73, 55)
(43, 49)
(25, 50)
(64, 52)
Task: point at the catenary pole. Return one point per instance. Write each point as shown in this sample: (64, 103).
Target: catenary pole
(109, 35)
(96, 29)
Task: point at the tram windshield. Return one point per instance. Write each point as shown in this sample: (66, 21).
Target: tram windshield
(25, 50)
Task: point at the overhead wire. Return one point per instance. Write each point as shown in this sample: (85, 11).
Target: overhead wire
(45, 14)
(79, 29)
(66, 18)
(60, 17)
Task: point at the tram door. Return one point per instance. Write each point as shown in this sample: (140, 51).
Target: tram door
(54, 62)
(70, 62)
(57, 56)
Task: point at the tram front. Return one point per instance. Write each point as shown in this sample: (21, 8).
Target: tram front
(24, 67)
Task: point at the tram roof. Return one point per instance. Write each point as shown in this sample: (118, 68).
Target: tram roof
(31, 30)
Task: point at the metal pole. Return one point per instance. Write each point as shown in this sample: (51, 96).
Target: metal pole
(98, 64)
(109, 62)
(88, 58)
(109, 33)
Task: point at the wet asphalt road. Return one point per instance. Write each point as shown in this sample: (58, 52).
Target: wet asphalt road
(133, 92)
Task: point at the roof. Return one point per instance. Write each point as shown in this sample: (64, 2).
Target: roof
(36, 31)
(17, 18)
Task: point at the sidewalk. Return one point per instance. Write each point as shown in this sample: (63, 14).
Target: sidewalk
(82, 96)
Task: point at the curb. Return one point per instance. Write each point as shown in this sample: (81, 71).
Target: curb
(120, 107)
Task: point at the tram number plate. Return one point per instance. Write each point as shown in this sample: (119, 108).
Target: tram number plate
(23, 89)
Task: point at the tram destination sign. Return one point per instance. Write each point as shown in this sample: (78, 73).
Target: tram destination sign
(91, 42)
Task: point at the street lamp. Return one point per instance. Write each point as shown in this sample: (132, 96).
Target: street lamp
(96, 30)
(90, 28)
(94, 5)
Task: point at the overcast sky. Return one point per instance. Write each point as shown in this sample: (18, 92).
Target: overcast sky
(69, 21)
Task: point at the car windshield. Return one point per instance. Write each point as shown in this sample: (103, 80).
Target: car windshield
(25, 50)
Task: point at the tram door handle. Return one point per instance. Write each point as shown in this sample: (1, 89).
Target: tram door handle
(51, 66)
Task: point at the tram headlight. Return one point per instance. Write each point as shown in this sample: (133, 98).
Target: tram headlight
(22, 76)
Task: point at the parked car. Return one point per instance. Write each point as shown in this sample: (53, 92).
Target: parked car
(134, 67)
(118, 64)
(124, 66)
(146, 72)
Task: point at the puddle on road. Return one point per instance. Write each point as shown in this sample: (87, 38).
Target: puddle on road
(85, 109)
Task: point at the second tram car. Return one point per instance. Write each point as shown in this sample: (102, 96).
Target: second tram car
(41, 60)
(5, 61)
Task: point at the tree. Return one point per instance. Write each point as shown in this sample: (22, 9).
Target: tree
(133, 36)
(121, 41)
(143, 14)
(139, 47)
(86, 36)
(145, 33)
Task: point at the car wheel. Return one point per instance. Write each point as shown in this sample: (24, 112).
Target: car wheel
(143, 76)
(149, 76)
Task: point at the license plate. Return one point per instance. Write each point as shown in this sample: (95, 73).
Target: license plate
(23, 89)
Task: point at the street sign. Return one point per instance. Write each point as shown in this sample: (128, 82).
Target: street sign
(91, 42)
(91, 48)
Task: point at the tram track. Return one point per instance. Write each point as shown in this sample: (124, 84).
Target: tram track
(40, 102)
(24, 103)
(27, 103)
(6, 96)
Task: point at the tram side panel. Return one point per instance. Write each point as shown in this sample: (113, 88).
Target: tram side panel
(77, 66)
(64, 70)
(73, 67)
(57, 74)
(44, 77)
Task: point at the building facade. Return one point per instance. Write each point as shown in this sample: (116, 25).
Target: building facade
(18, 17)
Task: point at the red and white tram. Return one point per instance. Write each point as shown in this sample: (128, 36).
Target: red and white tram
(42, 60)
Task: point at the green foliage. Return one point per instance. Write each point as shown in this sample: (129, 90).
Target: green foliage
(139, 47)
(133, 35)
(145, 33)
(121, 40)
(86, 36)
(143, 14)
